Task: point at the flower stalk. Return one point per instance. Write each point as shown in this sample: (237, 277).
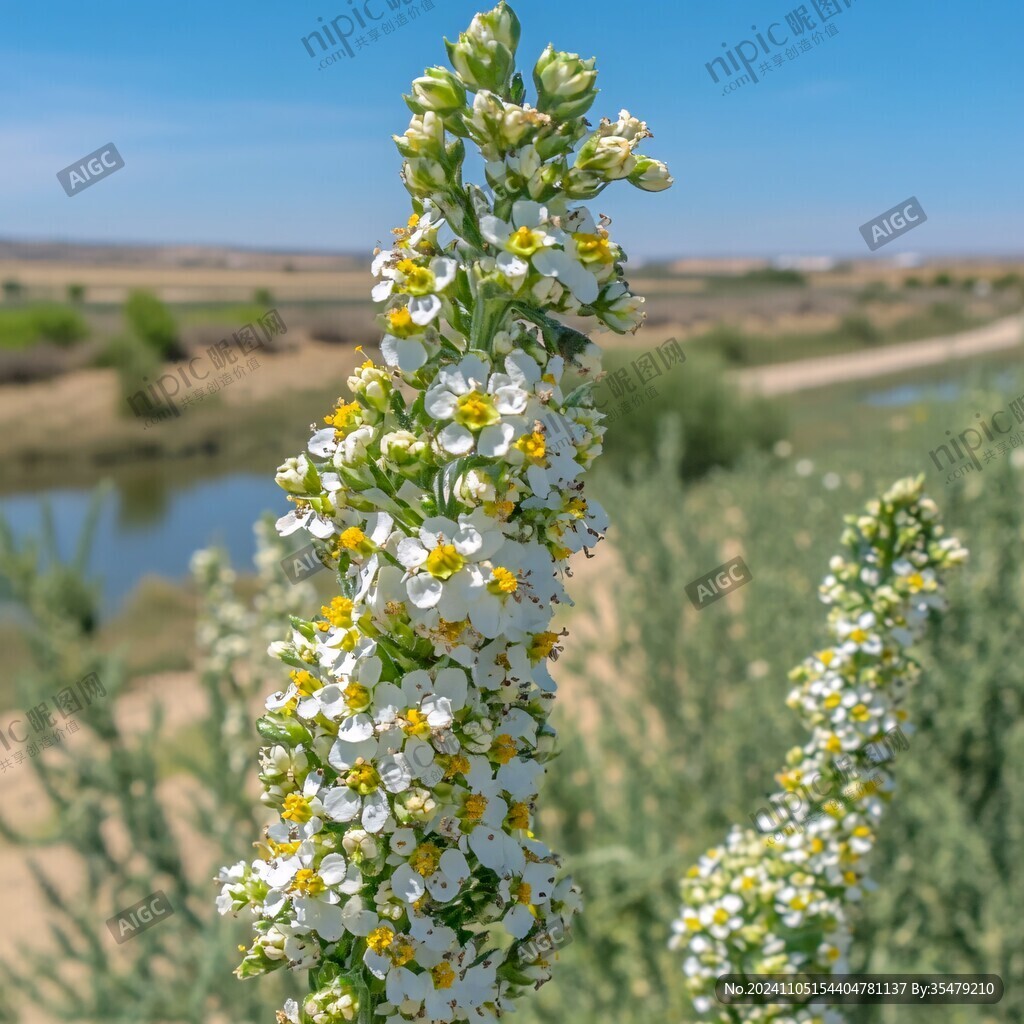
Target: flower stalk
(404, 871)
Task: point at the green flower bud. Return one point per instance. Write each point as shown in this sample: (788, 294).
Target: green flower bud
(437, 90)
(484, 56)
(565, 83)
(423, 138)
(298, 476)
(609, 156)
(650, 175)
(424, 177)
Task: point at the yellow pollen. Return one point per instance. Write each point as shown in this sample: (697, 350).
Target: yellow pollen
(533, 446)
(834, 744)
(503, 581)
(451, 631)
(833, 700)
(443, 975)
(721, 916)
(519, 816)
(363, 778)
(850, 877)
(458, 765)
(338, 612)
(524, 242)
(594, 248)
(858, 636)
(352, 538)
(308, 882)
(357, 696)
(915, 581)
(283, 849)
(523, 893)
(692, 922)
(862, 831)
(296, 808)
(817, 845)
(379, 939)
(306, 683)
(476, 411)
(860, 712)
(444, 562)
(826, 657)
(475, 806)
(344, 418)
(799, 903)
(402, 952)
(417, 724)
(504, 748)
(425, 859)
(542, 645)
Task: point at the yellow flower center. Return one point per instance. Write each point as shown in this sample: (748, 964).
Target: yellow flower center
(799, 903)
(594, 248)
(834, 744)
(363, 778)
(862, 831)
(357, 696)
(458, 765)
(308, 882)
(504, 748)
(425, 859)
(402, 952)
(850, 877)
(416, 724)
(523, 893)
(833, 700)
(576, 507)
(542, 645)
(379, 939)
(858, 636)
(826, 657)
(525, 242)
(443, 975)
(344, 418)
(503, 581)
(916, 582)
(475, 806)
(353, 539)
(418, 280)
(296, 808)
(400, 322)
(721, 915)
(519, 816)
(476, 411)
(444, 562)
(338, 613)
(533, 446)
(307, 683)
(283, 849)
(692, 922)
(860, 712)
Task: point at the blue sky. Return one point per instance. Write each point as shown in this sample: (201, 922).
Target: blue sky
(232, 135)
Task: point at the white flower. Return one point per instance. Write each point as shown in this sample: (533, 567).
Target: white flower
(478, 404)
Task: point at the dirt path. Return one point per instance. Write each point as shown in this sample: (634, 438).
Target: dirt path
(804, 374)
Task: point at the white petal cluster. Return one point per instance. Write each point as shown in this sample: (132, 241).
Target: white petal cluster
(405, 754)
(777, 899)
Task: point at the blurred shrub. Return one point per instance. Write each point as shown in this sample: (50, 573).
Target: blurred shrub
(76, 293)
(942, 280)
(25, 326)
(1012, 280)
(913, 282)
(774, 275)
(713, 422)
(12, 289)
(735, 347)
(152, 322)
(860, 328)
(134, 360)
(262, 297)
(874, 291)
